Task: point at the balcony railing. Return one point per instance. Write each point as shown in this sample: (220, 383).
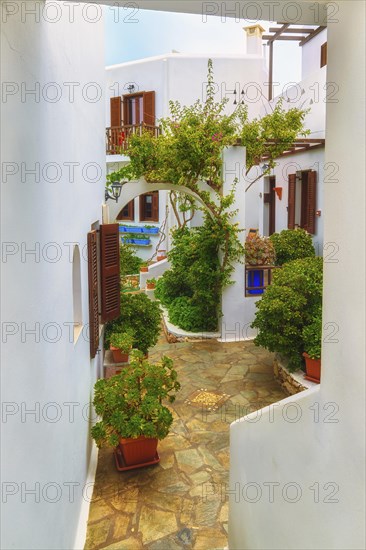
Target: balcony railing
(257, 278)
(117, 137)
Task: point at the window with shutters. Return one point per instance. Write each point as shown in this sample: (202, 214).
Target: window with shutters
(128, 212)
(323, 55)
(103, 268)
(149, 207)
(302, 200)
(139, 108)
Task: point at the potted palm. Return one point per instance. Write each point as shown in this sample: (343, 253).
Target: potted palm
(312, 335)
(133, 417)
(258, 251)
(121, 344)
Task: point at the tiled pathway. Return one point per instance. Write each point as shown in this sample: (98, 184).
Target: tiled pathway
(181, 502)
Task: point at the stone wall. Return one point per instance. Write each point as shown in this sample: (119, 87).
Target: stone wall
(291, 382)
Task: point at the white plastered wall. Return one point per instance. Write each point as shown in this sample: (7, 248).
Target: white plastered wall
(315, 441)
(46, 453)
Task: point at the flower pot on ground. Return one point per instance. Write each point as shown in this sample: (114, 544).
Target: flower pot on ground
(259, 251)
(150, 284)
(312, 334)
(131, 407)
(121, 344)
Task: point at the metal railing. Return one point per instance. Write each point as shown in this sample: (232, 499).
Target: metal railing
(117, 137)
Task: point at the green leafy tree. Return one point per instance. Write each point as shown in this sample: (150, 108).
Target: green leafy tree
(189, 151)
(289, 304)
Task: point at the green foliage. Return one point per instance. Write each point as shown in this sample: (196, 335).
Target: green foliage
(192, 316)
(171, 285)
(288, 305)
(259, 251)
(292, 244)
(140, 315)
(123, 340)
(191, 289)
(281, 127)
(312, 336)
(190, 150)
(130, 403)
(129, 262)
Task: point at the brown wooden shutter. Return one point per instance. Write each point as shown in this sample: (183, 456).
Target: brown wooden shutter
(311, 202)
(110, 282)
(116, 111)
(323, 54)
(155, 206)
(93, 293)
(291, 201)
(149, 108)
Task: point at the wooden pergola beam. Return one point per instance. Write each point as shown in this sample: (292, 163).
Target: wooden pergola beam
(284, 37)
(293, 30)
(314, 33)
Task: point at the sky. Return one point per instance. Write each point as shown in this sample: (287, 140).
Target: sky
(132, 34)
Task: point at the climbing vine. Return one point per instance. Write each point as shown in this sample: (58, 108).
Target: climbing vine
(189, 151)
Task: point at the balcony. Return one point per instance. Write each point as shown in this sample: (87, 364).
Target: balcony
(258, 278)
(117, 137)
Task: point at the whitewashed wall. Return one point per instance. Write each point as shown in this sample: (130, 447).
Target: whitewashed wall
(311, 51)
(304, 458)
(47, 451)
(310, 160)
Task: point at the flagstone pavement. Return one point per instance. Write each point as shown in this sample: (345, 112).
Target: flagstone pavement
(182, 502)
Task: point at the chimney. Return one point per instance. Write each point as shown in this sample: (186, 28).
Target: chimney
(254, 39)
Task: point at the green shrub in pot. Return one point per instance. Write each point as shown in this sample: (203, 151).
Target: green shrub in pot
(130, 404)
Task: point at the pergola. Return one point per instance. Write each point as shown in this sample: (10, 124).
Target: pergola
(286, 31)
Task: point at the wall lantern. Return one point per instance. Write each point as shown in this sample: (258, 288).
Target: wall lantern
(116, 192)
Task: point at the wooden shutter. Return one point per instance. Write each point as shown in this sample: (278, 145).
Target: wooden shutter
(116, 111)
(155, 206)
(311, 202)
(93, 293)
(149, 108)
(110, 280)
(291, 201)
(323, 55)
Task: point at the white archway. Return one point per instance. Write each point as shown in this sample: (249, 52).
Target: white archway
(133, 189)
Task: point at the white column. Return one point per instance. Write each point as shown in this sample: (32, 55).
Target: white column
(233, 319)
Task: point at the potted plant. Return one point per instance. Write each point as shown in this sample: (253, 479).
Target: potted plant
(144, 268)
(142, 316)
(258, 251)
(150, 284)
(121, 344)
(161, 255)
(312, 335)
(133, 417)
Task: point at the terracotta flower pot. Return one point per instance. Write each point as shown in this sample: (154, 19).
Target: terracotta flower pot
(150, 286)
(161, 255)
(138, 451)
(313, 367)
(118, 355)
(144, 269)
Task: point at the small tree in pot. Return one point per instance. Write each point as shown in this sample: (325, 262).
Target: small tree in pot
(131, 408)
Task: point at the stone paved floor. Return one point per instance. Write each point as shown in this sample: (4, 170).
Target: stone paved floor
(181, 502)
